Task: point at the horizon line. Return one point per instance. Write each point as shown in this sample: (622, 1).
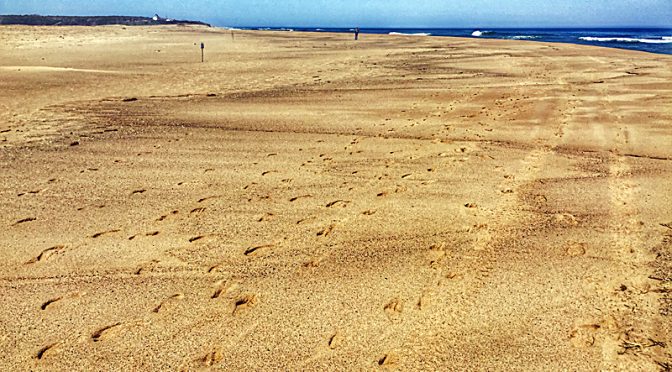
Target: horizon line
(217, 23)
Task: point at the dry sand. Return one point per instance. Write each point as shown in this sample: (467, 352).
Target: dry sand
(305, 202)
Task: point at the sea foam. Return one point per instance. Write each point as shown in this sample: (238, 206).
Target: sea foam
(525, 37)
(406, 34)
(663, 40)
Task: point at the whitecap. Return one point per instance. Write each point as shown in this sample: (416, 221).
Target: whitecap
(407, 34)
(524, 37)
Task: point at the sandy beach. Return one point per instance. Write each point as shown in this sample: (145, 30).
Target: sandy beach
(302, 201)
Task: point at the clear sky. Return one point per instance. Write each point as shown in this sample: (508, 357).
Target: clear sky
(372, 13)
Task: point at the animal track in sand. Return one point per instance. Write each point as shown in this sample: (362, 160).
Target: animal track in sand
(166, 302)
(47, 254)
(208, 198)
(197, 210)
(105, 332)
(141, 191)
(98, 235)
(46, 350)
(268, 172)
(243, 302)
(369, 213)
(256, 250)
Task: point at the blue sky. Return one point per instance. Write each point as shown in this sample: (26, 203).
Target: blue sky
(372, 13)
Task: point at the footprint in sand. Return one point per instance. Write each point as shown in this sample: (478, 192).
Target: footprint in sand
(165, 304)
(389, 360)
(266, 217)
(146, 267)
(47, 350)
(98, 235)
(575, 249)
(216, 356)
(336, 340)
(165, 216)
(45, 305)
(343, 203)
(436, 254)
(106, 332)
(564, 219)
(24, 220)
(327, 230)
(584, 336)
(393, 309)
(55, 300)
(252, 251)
(424, 300)
(243, 302)
(47, 254)
(300, 197)
(196, 238)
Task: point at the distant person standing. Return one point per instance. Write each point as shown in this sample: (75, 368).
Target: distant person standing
(357, 33)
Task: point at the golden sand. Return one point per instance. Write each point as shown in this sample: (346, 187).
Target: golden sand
(305, 202)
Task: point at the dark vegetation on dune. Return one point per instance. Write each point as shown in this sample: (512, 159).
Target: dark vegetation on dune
(38, 20)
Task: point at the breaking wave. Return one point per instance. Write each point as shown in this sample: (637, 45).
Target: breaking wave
(663, 40)
(479, 33)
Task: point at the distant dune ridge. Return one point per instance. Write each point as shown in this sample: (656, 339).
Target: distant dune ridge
(38, 20)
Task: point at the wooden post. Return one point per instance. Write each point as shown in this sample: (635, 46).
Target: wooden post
(202, 52)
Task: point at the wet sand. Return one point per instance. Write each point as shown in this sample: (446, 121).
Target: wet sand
(305, 202)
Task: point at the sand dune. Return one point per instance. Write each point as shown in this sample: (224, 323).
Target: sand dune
(305, 202)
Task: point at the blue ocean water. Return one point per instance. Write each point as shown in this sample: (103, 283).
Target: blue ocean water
(648, 40)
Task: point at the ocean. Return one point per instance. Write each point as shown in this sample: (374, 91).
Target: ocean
(642, 39)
